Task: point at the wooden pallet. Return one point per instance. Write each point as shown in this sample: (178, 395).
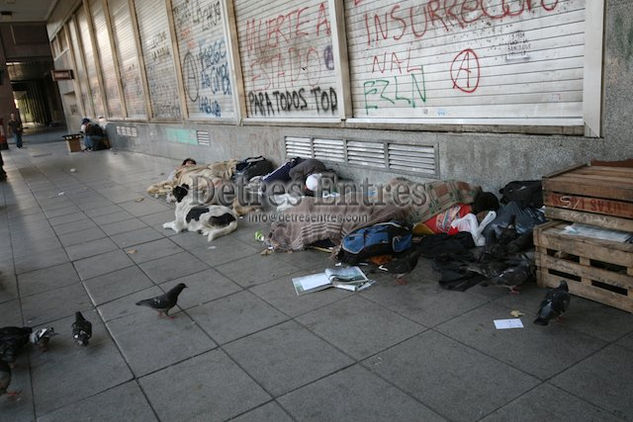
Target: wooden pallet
(595, 269)
(597, 195)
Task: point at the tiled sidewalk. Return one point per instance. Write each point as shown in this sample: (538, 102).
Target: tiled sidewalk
(243, 345)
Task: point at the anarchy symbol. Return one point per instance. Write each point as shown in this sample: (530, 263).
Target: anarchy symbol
(465, 71)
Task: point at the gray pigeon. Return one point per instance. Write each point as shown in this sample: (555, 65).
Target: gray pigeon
(555, 304)
(164, 302)
(5, 379)
(42, 337)
(513, 277)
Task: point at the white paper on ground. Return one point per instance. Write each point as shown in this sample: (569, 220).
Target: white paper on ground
(309, 283)
(502, 324)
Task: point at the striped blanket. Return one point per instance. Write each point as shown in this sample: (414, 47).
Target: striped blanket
(310, 222)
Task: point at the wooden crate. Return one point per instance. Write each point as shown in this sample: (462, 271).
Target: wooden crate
(598, 195)
(595, 269)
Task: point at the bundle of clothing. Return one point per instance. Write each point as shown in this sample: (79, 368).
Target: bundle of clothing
(506, 260)
(217, 174)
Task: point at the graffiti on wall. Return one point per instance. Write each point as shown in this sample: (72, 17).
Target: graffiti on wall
(288, 62)
(164, 96)
(205, 60)
(392, 43)
(133, 89)
(159, 60)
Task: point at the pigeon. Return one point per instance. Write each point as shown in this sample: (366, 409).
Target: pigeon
(12, 340)
(164, 302)
(5, 380)
(489, 269)
(42, 337)
(82, 329)
(403, 264)
(555, 304)
(513, 277)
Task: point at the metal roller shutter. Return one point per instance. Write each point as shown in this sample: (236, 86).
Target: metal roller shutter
(133, 91)
(105, 58)
(91, 66)
(287, 58)
(204, 58)
(123, 34)
(159, 59)
(467, 61)
(80, 71)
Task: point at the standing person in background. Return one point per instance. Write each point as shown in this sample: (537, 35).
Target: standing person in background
(16, 129)
(3, 174)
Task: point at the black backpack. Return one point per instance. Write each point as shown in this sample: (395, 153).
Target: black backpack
(527, 193)
(250, 167)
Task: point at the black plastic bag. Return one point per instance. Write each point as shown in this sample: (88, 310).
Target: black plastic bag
(250, 167)
(528, 193)
(513, 215)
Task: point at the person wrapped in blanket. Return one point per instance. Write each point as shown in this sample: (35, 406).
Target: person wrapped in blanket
(187, 162)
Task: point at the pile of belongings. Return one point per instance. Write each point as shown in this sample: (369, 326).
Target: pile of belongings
(315, 220)
(334, 219)
(468, 234)
(507, 259)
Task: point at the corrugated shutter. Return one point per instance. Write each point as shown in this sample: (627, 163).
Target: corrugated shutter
(122, 30)
(287, 59)
(159, 61)
(105, 56)
(80, 71)
(204, 58)
(91, 66)
(487, 61)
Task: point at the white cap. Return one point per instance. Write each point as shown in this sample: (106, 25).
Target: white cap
(312, 182)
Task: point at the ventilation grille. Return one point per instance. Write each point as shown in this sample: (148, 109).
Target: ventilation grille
(203, 138)
(383, 155)
(299, 147)
(412, 158)
(366, 154)
(329, 150)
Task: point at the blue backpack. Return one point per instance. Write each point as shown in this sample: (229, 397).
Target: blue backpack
(379, 239)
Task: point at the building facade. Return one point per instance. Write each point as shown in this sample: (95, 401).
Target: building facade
(485, 91)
